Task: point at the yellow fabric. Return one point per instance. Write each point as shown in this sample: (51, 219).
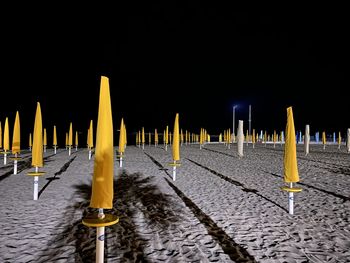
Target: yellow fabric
(166, 135)
(70, 135)
(155, 136)
(37, 151)
(339, 138)
(16, 138)
(91, 135)
(54, 136)
(253, 136)
(6, 136)
(102, 182)
(176, 139)
(45, 138)
(324, 137)
(66, 138)
(291, 174)
(121, 137)
(143, 136)
(76, 138)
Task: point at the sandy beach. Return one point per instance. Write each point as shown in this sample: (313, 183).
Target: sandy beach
(221, 208)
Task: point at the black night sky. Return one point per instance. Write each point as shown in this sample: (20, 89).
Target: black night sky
(195, 59)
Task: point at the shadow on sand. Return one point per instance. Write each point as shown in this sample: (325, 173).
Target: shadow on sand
(133, 194)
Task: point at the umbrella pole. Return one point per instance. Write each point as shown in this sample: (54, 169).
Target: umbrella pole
(55, 151)
(44, 148)
(89, 154)
(69, 150)
(174, 171)
(291, 201)
(120, 161)
(36, 184)
(100, 239)
(5, 158)
(15, 164)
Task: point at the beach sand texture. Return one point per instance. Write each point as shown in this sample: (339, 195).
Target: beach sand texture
(221, 208)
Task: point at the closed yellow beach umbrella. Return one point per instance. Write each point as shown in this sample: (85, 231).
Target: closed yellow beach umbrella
(155, 137)
(324, 137)
(143, 135)
(6, 136)
(324, 141)
(176, 139)
(102, 182)
(167, 135)
(16, 138)
(54, 142)
(121, 148)
(91, 135)
(291, 174)
(45, 138)
(37, 152)
(30, 140)
(76, 139)
(70, 135)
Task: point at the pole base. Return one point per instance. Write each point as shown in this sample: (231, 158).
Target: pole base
(93, 220)
(293, 189)
(35, 173)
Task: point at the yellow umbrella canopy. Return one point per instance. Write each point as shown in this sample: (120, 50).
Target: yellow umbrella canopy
(324, 137)
(45, 138)
(143, 136)
(253, 136)
(70, 135)
(121, 137)
(54, 136)
(155, 136)
(76, 138)
(6, 136)
(167, 135)
(16, 138)
(91, 135)
(291, 174)
(176, 139)
(102, 182)
(37, 151)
